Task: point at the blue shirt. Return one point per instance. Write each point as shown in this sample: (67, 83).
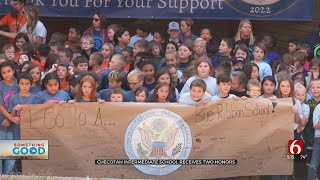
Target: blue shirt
(185, 38)
(6, 92)
(97, 40)
(45, 96)
(135, 38)
(130, 96)
(35, 90)
(104, 73)
(150, 87)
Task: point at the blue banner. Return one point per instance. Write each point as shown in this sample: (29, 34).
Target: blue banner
(301, 10)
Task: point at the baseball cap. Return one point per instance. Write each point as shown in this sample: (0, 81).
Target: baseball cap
(18, 1)
(174, 26)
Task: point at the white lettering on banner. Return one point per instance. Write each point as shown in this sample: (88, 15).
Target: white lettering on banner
(37, 2)
(97, 3)
(188, 6)
(134, 3)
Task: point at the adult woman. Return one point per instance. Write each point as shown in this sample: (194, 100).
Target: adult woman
(245, 33)
(34, 28)
(98, 30)
(185, 30)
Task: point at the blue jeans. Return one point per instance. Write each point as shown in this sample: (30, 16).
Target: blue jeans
(313, 166)
(7, 165)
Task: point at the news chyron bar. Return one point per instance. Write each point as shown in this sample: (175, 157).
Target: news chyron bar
(166, 162)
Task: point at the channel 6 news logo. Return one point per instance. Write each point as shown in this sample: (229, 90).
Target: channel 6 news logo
(295, 147)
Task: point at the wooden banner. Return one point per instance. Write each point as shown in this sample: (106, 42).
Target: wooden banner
(254, 132)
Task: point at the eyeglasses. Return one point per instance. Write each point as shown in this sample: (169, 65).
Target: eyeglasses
(96, 19)
(133, 84)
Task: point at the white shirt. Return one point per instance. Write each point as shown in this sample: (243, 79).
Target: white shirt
(39, 31)
(136, 38)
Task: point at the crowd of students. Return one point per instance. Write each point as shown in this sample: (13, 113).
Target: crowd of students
(104, 64)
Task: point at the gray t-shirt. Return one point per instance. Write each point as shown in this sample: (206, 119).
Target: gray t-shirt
(187, 99)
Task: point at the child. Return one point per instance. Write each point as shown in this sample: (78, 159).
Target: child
(188, 72)
(148, 70)
(140, 46)
(253, 88)
(116, 95)
(203, 69)
(51, 64)
(174, 31)
(116, 79)
(135, 81)
(314, 70)
(268, 87)
(8, 88)
(224, 86)
(259, 52)
(118, 62)
(43, 53)
(88, 90)
(197, 94)
(271, 56)
(163, 75)
(121, 40)
(55, 47)
(174, 75)
(308, 132)
(127, 52)
(62, 72)
(34, 70)
(225, 50)
(87, 46)
(23, 97)
(206, 34)
(171, 46)
(74, 83)
(314, 164)
(292, 45)
(80, 64)
(65, 55)
(95, 62)
(74, 36)
(223, 67)
(19, 40)
(161, 93)
(199, 48)
(212, 50)
(185, 56)
(238, 83)
(156, 52)
(160, 37)
(142, 94)
(58, 37)
(300, 95)
(23, 58)
(9, 51)
(242, 50)
(251, 71)
(107, 51)
(238, 63)
(52, 92)
(170, 57)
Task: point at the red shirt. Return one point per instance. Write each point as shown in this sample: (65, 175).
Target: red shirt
(104, 65)
(14, 24)
(64, 86)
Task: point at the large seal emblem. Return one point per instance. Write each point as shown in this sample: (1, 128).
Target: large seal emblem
(261, 8)
(158, 134)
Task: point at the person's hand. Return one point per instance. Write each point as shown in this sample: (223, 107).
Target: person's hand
(51, 101)
(71, 101)
(54, 68)
(294, 110)
(5, 123)
(236, 98)
(244, 97)
(16, 120)
(17, 107)
(101, 101)
(316, 75)
(70, 70)
(62, 102)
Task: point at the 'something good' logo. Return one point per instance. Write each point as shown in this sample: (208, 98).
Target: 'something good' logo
(261, 8)
(158, 134)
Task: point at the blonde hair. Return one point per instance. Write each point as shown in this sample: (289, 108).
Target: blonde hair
(136, 73)
(298, 86)
(238, 35)
(87, 38)
(253, 82)
(115, 75)
(32, 16)
(199, 40)
(111, 46)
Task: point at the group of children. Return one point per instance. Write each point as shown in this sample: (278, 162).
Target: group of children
(69, 69)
